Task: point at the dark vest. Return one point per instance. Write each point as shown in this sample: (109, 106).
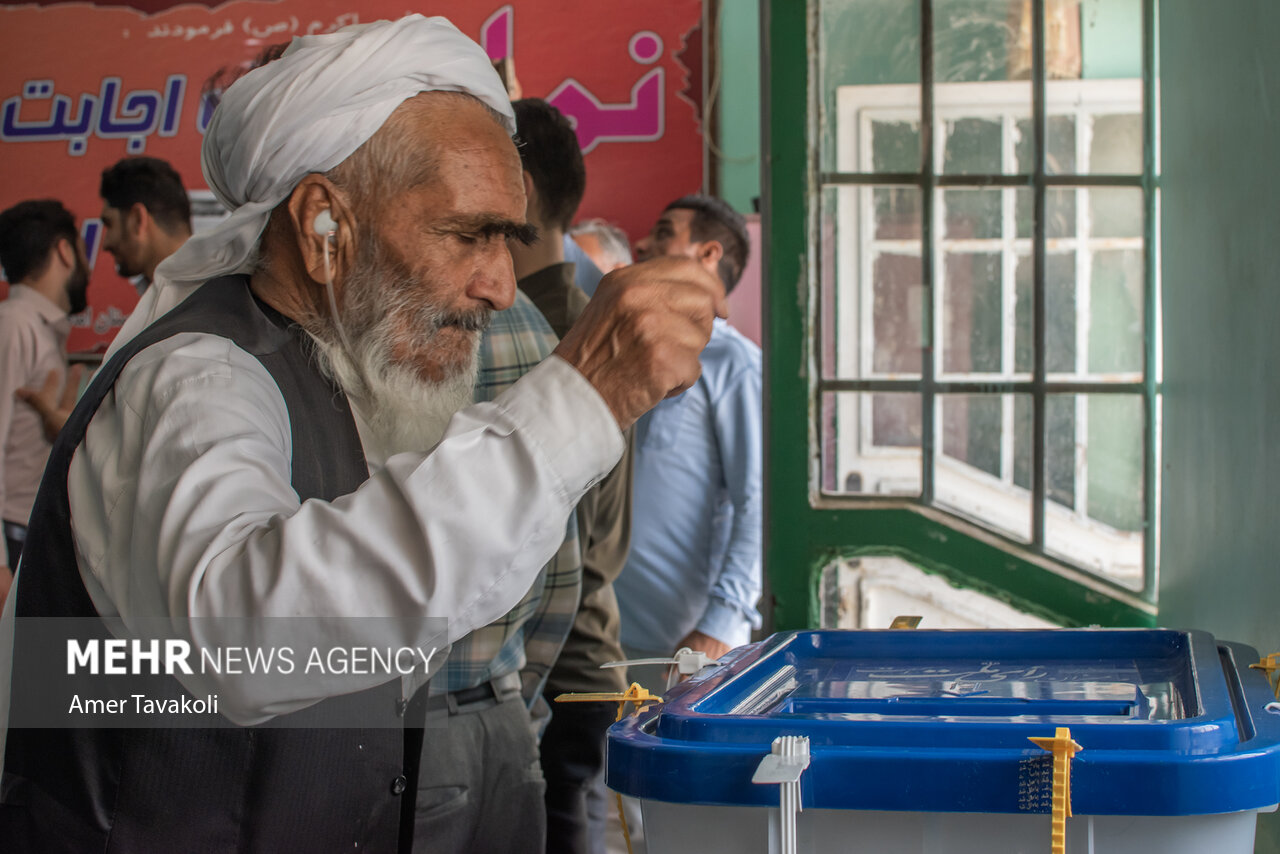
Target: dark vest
(263, 789)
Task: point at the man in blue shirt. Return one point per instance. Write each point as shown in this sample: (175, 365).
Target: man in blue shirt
(694, 573)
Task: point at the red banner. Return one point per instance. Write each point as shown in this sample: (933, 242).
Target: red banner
(83, 86)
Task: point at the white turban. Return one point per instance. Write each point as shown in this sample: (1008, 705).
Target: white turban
(307, 112)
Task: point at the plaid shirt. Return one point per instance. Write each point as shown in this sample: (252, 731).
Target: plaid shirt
(529, 637)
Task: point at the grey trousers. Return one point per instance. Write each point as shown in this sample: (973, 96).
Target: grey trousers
(480, 788)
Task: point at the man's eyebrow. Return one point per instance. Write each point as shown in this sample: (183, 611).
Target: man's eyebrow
(493, 226)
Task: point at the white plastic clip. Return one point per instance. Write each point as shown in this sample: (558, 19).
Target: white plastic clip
(687, 662)
(784, 765)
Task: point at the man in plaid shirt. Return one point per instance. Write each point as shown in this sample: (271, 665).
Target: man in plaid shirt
(480, 786)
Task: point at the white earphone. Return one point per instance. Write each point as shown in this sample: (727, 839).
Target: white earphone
(324, 224)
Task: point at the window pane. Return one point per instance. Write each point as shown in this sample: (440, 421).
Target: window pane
(1059, 211)
(1093, 127)
(1116, 144)
(834, 255)
(1115, 212)
(1115, 471)
(980, 436)
(869, 44)
(898, 309)
(1095, 445)
(972, 214)
(1115, 312)
(1062, 450)
(873, 299)
(971, 430)
(1060, 314)
(897, 213)
(871, 444)
(1062, 49)
(1112, 39)
(895, 420)
(972, 313)
(972, 146)
(895, 146)
(1060, 147)
(979, 41)
(1023, 340)
(1022, 436)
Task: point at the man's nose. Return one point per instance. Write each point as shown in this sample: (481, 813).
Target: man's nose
(644, 248)
(495, 283)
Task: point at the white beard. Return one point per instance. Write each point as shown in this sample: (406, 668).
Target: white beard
(404, 411)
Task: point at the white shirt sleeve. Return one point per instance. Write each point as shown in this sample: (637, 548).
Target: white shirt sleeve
(182, 507)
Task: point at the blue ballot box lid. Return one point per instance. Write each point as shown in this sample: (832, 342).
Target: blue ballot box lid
(1170, 722)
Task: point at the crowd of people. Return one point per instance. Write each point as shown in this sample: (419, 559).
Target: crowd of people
(397, 381)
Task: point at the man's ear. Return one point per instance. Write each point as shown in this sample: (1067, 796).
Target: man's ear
(709, 253)
(64, 251)
(316, 195)
(137, 220)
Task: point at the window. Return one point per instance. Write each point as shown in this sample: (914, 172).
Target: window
(984, 320)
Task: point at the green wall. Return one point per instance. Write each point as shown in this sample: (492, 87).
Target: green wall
(739, 102)
(1221, 126)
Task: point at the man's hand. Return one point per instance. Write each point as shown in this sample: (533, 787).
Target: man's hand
(639, 339)
(54, 410)
(6, 581)
(698, 642)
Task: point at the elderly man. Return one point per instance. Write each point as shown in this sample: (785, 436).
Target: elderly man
(603, 242)
(263, 451)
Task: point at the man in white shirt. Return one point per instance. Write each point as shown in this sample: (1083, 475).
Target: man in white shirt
(264, 452)
(43, 260)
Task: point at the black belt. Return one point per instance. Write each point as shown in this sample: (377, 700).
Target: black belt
(482, 696)
(467, 696)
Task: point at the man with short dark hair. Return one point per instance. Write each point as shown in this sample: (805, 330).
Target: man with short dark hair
(694, 574)
(44, 263)
(277, 436)
(572, 747)
(701, 227)
(555, 179)
(146, 215)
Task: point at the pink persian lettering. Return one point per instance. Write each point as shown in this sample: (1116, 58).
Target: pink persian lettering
(496, 33)
(640, 120)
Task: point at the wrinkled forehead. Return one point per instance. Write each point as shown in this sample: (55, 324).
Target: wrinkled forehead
(450, 159)
(454, 127)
